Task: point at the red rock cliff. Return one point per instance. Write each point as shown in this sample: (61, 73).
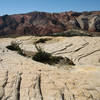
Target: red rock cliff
(45, 23)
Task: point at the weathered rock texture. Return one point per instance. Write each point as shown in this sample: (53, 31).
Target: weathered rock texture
(46, 23)
(81, 50)
(51, 84)
(21, 78)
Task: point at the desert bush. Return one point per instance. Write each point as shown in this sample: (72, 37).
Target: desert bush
(42, 40)
(45, 57)
(14, 46)
(41, 55)
(71, 33)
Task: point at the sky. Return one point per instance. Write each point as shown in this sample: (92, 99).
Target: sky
(24, 6)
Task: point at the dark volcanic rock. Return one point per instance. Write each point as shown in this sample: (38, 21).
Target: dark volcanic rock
(45, 23)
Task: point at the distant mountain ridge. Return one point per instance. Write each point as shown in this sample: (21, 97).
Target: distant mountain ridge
(45, 23)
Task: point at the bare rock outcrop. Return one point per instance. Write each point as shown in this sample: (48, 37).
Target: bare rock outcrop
(83, 22)
(80, 50)
(95, 24)
(48, 23)
(80, 83)
(22, 78)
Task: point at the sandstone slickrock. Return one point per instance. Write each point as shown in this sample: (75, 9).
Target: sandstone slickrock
(81, 50)
(48, 23)
(80, 83)
(1, 92)
(22, 78)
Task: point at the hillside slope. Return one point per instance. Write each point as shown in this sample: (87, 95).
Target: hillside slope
(48, 23)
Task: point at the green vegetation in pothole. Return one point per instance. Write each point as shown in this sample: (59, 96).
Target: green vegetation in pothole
(41, 55)
(45, 57)
(42, 40)
(14, 46)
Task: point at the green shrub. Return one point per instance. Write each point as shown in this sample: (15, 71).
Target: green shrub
(41, 55)
(44, 57)
(15, 47)
(42, 40)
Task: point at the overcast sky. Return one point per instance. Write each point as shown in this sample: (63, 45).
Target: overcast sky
(24, 6)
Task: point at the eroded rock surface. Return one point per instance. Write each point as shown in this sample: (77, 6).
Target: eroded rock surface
(51, 84)
(22, 78)
(48, 23)
(81, 50)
